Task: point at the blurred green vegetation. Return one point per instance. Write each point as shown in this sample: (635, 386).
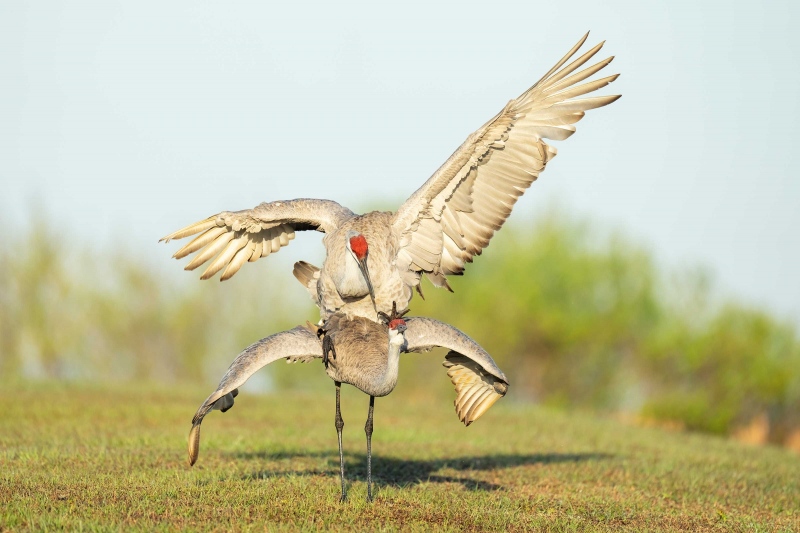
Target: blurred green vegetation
(577, 317)
(583, 318)
(71, 312)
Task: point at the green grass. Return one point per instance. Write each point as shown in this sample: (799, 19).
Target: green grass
(80, 457)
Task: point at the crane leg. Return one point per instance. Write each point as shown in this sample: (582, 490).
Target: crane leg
(339, 426)
(368, 430)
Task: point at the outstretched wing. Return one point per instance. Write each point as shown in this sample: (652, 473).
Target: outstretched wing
(236, 237)
(452, 217)
(298, 344)
(478, 381)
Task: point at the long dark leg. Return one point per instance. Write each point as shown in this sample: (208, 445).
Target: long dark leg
(368, 429)
(339, 426)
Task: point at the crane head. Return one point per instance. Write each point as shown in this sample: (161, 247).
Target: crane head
(394, 321)
(357, 245)
(398, 325)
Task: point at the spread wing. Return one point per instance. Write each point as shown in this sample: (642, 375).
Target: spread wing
(452, 217)
(236, 237)
(298, 344)
(478, 381)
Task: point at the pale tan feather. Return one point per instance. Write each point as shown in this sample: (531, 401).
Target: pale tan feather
(210, 251)
(241, 257)
(308, 275)
(476, 389)
(198, 242)
(225, 257)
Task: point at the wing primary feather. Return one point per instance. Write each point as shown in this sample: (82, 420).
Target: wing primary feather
(199, 241)
(485, 405)
(461, 399)
(575, 65)
(477, 403)
(256, 251)
(582, 89)
(576, 105)
(275, 243)
(580, 76)
(191, 229)
(194, 443)
(225, 257)
(210, 250)
(239, 259)
(564, 59)
(472, 392)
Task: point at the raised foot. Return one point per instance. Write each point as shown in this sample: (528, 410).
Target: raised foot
(394, 315)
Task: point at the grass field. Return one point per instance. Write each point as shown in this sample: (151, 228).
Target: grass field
(101, 458)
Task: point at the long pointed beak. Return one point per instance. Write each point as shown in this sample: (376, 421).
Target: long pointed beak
(362, 264)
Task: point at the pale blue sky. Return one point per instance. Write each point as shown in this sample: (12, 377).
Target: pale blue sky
(126, 120)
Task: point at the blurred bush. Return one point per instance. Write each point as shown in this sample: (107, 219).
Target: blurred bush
(583, 318)
(577, 318)
(76, 313)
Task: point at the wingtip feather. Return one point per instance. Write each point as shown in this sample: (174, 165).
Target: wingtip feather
(194, 443)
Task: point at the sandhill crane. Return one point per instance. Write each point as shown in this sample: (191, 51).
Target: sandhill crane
(378, 258)
(366, 354)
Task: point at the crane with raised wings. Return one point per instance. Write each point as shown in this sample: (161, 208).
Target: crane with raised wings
(378, 258)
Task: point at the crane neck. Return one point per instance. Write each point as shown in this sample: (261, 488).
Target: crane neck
(396, 341)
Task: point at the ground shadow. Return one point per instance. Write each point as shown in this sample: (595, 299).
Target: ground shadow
(399, 472)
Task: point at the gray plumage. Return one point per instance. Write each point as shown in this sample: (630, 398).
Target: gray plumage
(366, 356)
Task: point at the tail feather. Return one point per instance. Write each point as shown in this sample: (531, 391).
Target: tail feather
(308, 275)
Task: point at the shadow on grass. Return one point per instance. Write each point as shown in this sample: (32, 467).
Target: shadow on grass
(392, 471)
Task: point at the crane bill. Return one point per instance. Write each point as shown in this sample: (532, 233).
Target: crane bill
(362, 265)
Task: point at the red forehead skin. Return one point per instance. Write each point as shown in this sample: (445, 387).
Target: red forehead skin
(396, 322)
(359, 246)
